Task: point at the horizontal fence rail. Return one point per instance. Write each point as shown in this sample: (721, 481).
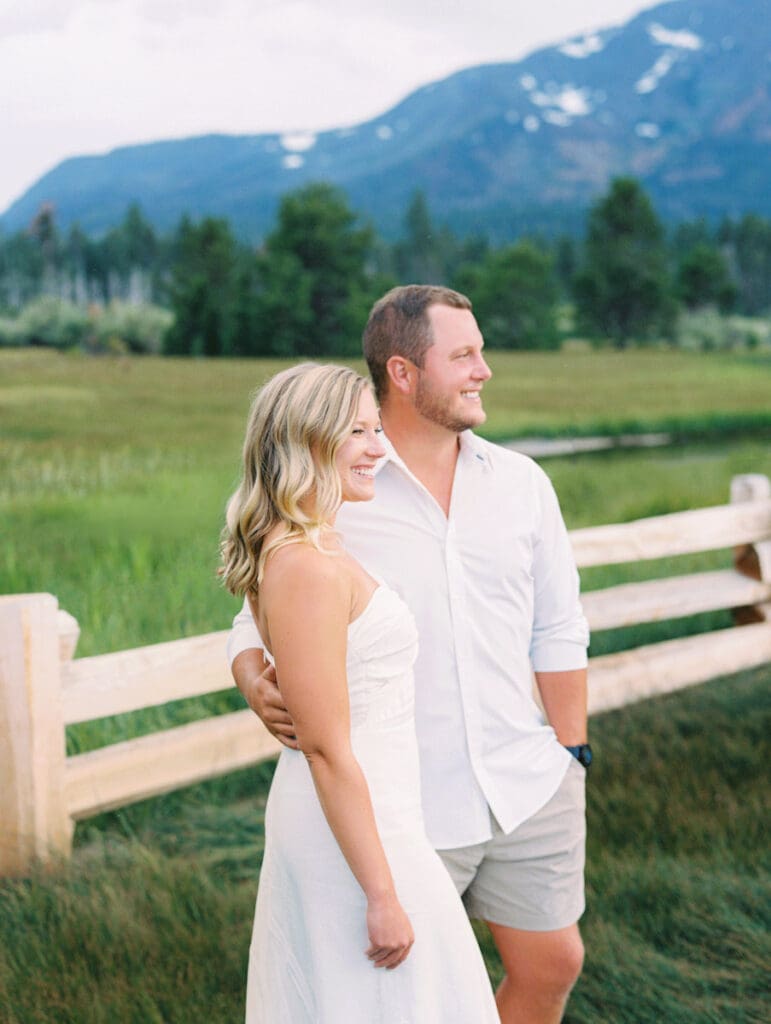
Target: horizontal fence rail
(619, 679)
(679, 533)
(43, 792)
(114, 684)
(629, 604)
(113, 776)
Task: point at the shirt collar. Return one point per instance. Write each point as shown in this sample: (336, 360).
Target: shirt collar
(472, 450)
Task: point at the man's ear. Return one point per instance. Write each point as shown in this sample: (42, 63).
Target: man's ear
(401, 374)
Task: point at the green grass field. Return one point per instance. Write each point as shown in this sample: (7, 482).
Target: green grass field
(113, 477)
(150, 922)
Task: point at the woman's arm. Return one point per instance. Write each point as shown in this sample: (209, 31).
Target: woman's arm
(306, 602)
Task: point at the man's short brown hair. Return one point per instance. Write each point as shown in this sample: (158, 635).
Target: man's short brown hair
(398, 325)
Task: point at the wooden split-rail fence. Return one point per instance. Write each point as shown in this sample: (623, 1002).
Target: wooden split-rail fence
(43, 689)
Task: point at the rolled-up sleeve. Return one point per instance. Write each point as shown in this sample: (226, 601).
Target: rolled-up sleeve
(244, 635)
(560, 631)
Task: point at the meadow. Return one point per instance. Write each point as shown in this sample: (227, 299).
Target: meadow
(113, 477)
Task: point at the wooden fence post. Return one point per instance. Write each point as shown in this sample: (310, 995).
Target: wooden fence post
(35, 825)
(752, 560)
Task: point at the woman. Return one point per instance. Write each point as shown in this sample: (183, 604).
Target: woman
(356, 919)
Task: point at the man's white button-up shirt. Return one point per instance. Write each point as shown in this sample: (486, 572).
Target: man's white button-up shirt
(494, 590)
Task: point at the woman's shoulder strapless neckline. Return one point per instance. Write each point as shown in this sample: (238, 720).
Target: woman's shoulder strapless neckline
(381, 588)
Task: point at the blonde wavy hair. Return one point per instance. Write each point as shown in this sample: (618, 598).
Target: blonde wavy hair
(297, 422)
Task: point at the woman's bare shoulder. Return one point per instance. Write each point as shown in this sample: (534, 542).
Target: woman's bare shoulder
(303, 570)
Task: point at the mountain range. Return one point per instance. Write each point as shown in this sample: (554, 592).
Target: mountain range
(678, 97)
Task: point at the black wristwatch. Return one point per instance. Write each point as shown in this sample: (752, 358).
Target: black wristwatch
(582, 753)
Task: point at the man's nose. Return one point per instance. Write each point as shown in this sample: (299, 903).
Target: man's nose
(482, 371)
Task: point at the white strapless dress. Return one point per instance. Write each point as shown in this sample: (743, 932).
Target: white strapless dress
(307, 962)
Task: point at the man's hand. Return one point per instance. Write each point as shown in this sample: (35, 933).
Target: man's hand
(256, 679)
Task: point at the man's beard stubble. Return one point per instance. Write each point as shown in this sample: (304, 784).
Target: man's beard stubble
(435, 408)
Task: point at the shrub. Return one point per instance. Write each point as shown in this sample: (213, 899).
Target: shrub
(52, 322)
(118, 328)
(707, 331)
(9, 332)
(133, 328)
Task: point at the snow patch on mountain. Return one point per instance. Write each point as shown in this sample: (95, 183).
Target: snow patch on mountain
(574, 101)
(681, 39)
(651, 78)
(298, 142)
(557, 118)
(583, 47)
(647, 130)
(562, 103)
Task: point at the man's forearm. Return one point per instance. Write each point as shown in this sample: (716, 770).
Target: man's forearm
(563, 695)
(247, 668)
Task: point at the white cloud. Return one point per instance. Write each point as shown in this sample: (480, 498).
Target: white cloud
(18, 19)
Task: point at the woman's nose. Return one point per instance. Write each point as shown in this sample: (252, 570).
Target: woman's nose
(376, 448)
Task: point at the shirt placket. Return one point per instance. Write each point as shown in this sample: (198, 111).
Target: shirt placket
(462, 617)
(475, 805)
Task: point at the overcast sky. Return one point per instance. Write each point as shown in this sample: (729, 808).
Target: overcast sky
(84, 76)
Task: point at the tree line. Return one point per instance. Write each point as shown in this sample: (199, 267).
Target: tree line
(308, 287)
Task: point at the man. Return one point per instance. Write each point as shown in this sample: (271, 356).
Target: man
(472, 538)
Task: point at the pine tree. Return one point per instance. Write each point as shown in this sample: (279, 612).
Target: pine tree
(514, 293)
(622, 290)
(702, 279)
(202, 288)
(313, 273)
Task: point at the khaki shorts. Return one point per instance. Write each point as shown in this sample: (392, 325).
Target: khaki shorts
(532, 878)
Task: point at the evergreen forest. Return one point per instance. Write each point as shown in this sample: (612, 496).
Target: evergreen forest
(306, 290)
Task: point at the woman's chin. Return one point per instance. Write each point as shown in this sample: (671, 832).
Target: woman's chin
(359, 494)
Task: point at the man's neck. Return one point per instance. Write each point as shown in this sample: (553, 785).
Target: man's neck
(429, 451)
